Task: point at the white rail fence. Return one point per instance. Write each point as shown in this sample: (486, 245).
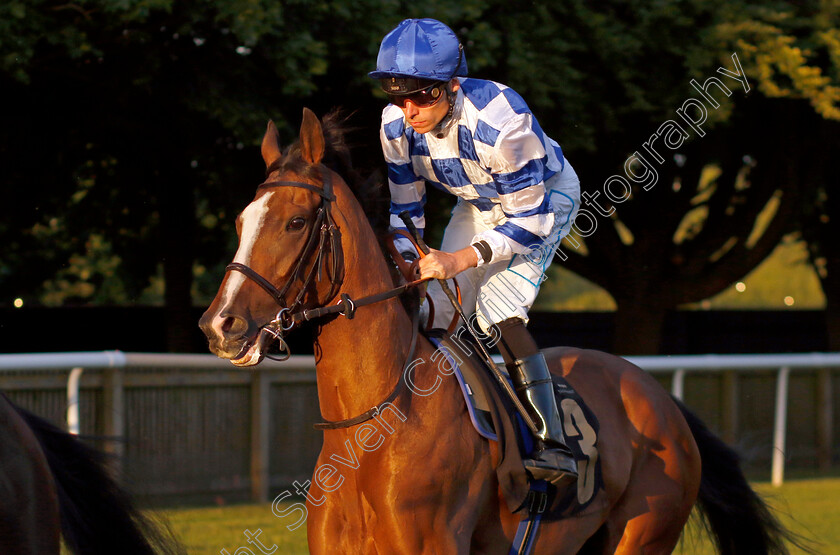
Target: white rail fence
(783, 365)
(179, 370)
(15, 368)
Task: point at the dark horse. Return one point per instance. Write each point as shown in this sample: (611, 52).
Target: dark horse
(428, 485)
(52, 486)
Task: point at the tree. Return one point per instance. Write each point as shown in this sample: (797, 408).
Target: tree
(708, 219)
(132, 129)
(689, 237)
(794, 53)
(125, 125)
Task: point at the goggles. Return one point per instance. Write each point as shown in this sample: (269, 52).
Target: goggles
(421, 92)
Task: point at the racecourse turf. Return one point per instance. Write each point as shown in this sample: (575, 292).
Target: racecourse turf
(808, 507)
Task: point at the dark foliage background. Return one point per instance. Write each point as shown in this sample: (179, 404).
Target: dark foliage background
(130, 134)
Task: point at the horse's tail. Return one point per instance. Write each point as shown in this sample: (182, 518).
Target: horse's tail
(738, 520)
(97, 515)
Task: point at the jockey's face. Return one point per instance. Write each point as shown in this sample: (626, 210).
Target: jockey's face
(424, 120)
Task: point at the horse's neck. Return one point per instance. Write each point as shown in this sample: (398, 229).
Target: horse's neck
(359, 361)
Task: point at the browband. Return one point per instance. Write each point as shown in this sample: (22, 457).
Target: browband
(299, 185)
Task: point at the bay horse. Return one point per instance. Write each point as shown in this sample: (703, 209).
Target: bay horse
(53, 486)
(427, 484)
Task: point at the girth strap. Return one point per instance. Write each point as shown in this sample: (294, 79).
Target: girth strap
(526, 532)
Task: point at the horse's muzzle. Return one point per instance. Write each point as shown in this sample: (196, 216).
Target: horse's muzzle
(227, 333)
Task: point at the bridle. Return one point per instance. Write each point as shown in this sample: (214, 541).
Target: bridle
(324, 230)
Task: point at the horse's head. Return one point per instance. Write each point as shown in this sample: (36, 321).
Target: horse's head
(289, 254)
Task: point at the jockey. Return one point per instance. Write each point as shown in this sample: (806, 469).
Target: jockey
(517, 198)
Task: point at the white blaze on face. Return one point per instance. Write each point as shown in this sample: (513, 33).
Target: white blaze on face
(252, 218)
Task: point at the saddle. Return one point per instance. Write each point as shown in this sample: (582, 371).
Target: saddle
(495, 418)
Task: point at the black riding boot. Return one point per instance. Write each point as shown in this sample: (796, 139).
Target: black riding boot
(551, 459)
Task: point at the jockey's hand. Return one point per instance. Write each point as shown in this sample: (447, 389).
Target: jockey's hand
(445, 265)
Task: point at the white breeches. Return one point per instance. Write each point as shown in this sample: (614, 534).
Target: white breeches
(504, 289)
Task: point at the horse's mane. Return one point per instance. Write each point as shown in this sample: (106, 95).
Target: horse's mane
(337, 156)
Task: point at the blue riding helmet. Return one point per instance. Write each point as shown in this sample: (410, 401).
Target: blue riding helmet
(420, 49)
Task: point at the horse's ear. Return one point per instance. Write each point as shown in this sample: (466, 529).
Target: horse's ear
(311, 138)
(271, 150)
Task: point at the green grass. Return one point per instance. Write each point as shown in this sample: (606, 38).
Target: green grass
(808, 507)
(206, 531)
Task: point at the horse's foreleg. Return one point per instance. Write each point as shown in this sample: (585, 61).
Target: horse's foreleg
(411, 539)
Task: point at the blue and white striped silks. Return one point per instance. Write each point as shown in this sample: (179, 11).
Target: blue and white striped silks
(494, 155)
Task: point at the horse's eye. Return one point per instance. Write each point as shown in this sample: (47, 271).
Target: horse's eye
(296, 224)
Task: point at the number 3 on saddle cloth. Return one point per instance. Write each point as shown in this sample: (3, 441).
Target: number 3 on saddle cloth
(495, 418)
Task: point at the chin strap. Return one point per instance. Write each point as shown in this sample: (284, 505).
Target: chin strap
(443, 127)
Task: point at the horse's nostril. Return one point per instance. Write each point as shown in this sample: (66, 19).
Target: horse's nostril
(233, 327)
